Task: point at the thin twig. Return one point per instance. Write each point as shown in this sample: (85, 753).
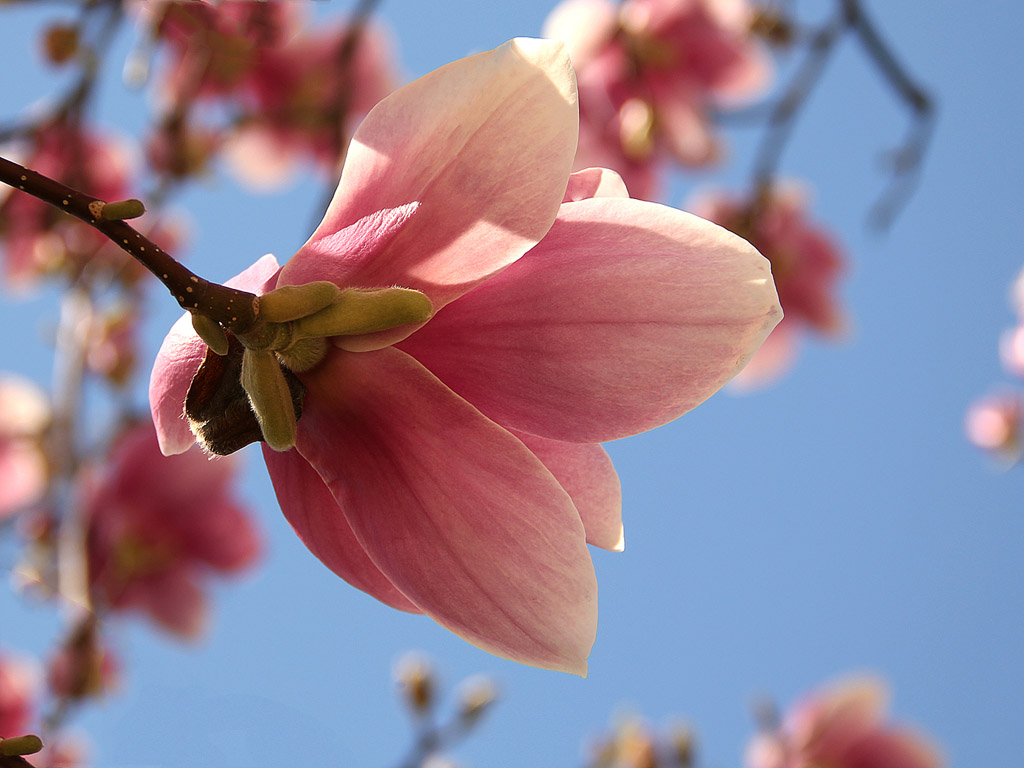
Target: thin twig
(782, 117)
(907, 159)
(233, 309)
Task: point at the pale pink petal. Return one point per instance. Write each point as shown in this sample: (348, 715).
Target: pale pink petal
(484, 145)
(586, 473)
(23, 475)
(455, 511)
(178, 360)
(594, 182)
(319, 522)
(683, 125)
(770, 361)
(626, 316)
(585, 26)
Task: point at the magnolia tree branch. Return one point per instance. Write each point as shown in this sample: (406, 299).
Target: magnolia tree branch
(907, 159)
(851, 18)
(231, 308)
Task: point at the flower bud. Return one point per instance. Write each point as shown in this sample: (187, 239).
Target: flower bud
(20, 745)
(415, 676)
(119, 210)
(476, 695)
(60, 43)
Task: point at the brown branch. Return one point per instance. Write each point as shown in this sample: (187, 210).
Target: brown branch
(907, 159)
(231, 308)
(783, 114)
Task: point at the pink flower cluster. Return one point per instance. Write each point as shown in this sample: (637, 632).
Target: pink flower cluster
(995, 422)
(806, 264)
(843, 727)
(158, 526)
(40, 240)
(451, 466)
(650, 71)
(292, 93)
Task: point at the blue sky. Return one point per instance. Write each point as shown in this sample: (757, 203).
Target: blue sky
(836, 522)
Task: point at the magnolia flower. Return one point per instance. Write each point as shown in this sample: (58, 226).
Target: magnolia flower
(806, 264)
(158, 526)
(649, 72)
(843, 727)
(476, 322)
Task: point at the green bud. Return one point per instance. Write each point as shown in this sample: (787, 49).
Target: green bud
(209, 330)
(358, 311)
(264, 382)
(20, 745)
(290, 302)
(122, 209)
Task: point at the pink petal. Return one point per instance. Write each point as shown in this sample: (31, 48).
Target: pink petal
(178, 360)
(594, 182)
(892, 748)
(585, 26)
(23, 475)
(587, 475)
(319, 522)
(175, 602)
(454, 510)
(771, 361)
(484, 144)
(626, 316)
(683, 125)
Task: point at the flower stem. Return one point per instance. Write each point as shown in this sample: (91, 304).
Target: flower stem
(232, 308)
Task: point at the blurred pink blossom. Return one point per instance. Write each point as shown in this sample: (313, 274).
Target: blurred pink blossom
(806, 264)
(24, 417)
(19, 688)
(843, 727)
(994, 424)
(215, 48)
(1011, 350)
(308, 97)
(39, 239)
(453, 467)
(111, 344)
(649, 71)
(159, 526)
(294, 93)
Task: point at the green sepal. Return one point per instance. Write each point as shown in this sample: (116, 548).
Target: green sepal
(265, 384)
(209, 330)
(290, 302)
(358, 311)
